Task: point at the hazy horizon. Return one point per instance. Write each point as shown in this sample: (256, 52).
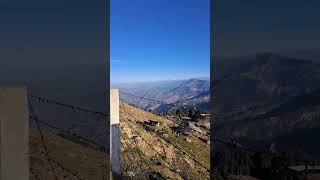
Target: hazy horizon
(158, 80)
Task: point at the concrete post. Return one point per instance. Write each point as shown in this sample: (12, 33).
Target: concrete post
(14, 134)
(115, 131)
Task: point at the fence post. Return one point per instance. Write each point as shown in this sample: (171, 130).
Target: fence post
(115, 131)
(14, 133)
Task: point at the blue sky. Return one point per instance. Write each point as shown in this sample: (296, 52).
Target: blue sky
(159, 39)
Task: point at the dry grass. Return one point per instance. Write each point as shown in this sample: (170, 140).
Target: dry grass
(87, 163)
(156, 153)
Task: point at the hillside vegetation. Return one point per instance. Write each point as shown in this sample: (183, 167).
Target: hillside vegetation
(153, 151)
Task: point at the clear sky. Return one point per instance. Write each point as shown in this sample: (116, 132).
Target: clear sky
(159, 39)
(243, 27)
(52, 32)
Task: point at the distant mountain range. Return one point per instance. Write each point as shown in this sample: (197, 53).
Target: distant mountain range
(268, 98)
(258, 99)
(190, 92)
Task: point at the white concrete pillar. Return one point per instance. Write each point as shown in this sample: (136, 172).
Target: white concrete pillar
(14, 133)
(115, 131)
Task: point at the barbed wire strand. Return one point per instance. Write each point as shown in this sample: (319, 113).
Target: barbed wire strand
(215, 139)
(167, 141)
(161, 102)
(42, 139)
(167, 164)
(134, 144)
(51, 161)
(58, 103)
(100, 147)
(41, 99)
(138, 134)
(67, 170)
(140, 166)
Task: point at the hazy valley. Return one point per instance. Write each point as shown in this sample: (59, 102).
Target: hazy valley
(189, 92)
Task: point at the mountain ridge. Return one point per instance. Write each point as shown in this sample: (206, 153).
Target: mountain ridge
(179, 93)
(273, 99)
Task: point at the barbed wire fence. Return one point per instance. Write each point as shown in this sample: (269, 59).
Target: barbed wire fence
(157, 101)
(231, 145)
(56, 167)
(131, 121)
(43, 141)
(166, 164)
(144, 166)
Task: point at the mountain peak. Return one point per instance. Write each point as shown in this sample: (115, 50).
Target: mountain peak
(193, 79)
(196, 80)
